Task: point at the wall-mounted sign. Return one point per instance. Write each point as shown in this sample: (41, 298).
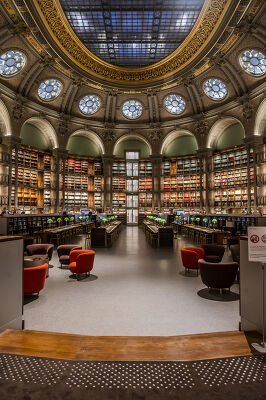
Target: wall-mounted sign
(257, 243)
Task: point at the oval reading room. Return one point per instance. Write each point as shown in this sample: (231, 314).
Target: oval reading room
(132, 199)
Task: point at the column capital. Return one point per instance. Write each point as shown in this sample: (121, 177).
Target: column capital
(59, 152)
(204, 152)
(12, 141)
(156, 157)
(253, 140)
(108, 157)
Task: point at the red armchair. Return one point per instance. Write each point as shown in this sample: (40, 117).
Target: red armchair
(190, 257)
(34, 279)
(81, 262)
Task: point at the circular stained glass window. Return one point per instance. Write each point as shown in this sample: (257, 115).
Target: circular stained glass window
(132, 109)
(89, 104)
(174, 104)
(253, 62)
(215, 89)
(12, 62)
(49, 89)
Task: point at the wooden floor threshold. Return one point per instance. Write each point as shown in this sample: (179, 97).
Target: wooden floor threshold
(125, 348)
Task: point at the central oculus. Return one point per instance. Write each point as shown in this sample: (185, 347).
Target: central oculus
(132, 33)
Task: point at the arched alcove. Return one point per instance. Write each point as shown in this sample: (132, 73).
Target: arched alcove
(225, 133)
(230, 137)
(38, 133)
(33, 137)
(5, 125)
(179, 143)
(132, 142)
(84, 143)
(260, 121)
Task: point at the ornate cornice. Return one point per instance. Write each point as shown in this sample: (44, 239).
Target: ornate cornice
(210, 19)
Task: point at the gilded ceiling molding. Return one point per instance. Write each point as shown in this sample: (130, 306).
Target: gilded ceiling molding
(8, 7)
(203, 31)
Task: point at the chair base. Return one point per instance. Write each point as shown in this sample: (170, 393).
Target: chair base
(187, 270)
(220, 289)
(80, 277)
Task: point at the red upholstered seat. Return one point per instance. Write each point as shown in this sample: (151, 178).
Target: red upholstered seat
(34, 279)
(81, 261)
(190, 257)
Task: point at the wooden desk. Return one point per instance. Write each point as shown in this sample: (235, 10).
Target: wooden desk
(104, 236)
(202, 235)
(62, 234)
(158, 236)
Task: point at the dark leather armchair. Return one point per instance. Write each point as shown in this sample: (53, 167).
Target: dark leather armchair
(213, 252)
(235, 252)
(63, 252)
(40, 249)
(218, 275)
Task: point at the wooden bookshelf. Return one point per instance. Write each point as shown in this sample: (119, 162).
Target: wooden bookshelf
(180, 183)
(83, 183)
(232, 175)
(34, 174)
(119, 168)
(23, 224)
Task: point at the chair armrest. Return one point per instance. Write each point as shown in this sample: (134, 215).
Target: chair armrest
(73, 256)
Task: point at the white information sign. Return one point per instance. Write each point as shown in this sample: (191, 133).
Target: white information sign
(257, 243)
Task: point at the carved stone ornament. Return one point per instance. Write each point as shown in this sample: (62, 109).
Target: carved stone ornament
(247, 110)
(47, 60)
(63, 124)
(155, 136)
(20, 28)
(108, 135)
(217, 59)
(243, 27)
(17, 110)
(201, 127)
(187, 80)
(109, 125)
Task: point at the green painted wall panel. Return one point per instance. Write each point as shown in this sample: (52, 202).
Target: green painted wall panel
(82, 146)
(32, 136)
(231, 136)
(181, 146)
(132, 144)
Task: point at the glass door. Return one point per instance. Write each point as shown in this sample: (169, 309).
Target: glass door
(132, 187)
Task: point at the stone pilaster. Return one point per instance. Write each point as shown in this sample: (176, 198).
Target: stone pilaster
(156, 160)
(108, 160)
(254, 143)
(206, 179)
(12, 143)
(60, 156)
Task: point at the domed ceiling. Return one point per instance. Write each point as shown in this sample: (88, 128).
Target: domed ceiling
(132, 33)
(133, 44)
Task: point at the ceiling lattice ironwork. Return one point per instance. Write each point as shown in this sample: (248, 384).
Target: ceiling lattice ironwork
(132, 33)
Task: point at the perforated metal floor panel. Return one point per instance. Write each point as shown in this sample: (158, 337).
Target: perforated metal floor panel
(161, 377)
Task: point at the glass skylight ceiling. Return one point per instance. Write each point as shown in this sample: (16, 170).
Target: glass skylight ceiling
(132, 33)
